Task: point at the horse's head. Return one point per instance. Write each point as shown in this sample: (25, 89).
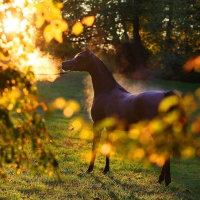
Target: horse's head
(78, 63)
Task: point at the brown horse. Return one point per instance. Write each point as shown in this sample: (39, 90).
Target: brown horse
(110, 99)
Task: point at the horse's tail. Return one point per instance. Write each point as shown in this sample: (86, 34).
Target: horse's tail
(169, 93)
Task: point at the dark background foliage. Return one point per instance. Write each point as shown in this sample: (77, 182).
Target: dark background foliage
(147, 38)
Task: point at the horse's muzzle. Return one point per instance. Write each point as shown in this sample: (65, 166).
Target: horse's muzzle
(67, 65)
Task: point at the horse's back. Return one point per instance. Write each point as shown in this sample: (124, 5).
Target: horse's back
(127, 106)
(146, 104)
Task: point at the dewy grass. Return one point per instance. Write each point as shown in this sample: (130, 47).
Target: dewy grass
(127, 180)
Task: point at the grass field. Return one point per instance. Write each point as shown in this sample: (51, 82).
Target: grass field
(126, 180)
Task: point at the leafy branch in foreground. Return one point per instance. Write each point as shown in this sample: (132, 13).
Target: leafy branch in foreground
(24, 138)
(23, 134)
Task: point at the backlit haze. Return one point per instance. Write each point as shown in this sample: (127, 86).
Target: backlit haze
(17, 39)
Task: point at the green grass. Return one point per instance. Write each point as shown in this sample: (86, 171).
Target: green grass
(126, 180)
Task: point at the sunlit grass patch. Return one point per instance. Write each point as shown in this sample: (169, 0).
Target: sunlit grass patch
(126, 180)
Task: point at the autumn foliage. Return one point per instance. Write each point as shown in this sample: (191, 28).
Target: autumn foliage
(23, 133)
(24, 137)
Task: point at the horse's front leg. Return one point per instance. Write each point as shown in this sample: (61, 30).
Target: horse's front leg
(96, 140)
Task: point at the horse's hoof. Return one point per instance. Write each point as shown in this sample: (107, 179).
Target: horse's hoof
(160, 180)
(105, 171)
(87, 172)
(167, 182)
(90, 169)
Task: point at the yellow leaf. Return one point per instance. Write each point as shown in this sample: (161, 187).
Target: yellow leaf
(44, 106)
(134, 133)
(68, 112)
(108, 122)
(197, 93)
(167, 103)
(139, 153)
(77, 29)
(60, 26)
(54, 30)
(86, 134)
(171, 117)
(189, 152)
(48, 33)
(88, 21)
(48, 10)
(59, 103)
(157, 125)
(77, 123)
(192, 64)
(51, 173)
(196, 126)
(74, 105)
(40, 15)
(39, 22)
(106, 149)
(155, 158)
(59, 5)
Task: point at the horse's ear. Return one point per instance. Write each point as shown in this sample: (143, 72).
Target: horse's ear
(87, 49)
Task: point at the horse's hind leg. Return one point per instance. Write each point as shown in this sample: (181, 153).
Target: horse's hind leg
(162, 175)
(165, 173)
(107, 166)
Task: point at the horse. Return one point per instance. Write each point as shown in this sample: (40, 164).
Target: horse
(110, 99)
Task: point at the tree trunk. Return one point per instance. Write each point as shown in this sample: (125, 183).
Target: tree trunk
(138, 49)
(130, 56)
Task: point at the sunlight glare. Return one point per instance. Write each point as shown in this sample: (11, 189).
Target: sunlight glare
(106, 149)
(18, 3)
(68, 112)
(44, 66)
(11, 24)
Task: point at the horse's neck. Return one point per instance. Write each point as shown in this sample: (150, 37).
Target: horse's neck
(102, 78)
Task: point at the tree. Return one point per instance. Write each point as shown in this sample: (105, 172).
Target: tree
(24, 137)
(23, 134)
(79, 32)
(146, 33)
(165, 25)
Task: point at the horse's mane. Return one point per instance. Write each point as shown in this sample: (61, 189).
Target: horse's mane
(111, 74)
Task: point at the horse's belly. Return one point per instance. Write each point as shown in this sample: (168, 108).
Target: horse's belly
(120, 109)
